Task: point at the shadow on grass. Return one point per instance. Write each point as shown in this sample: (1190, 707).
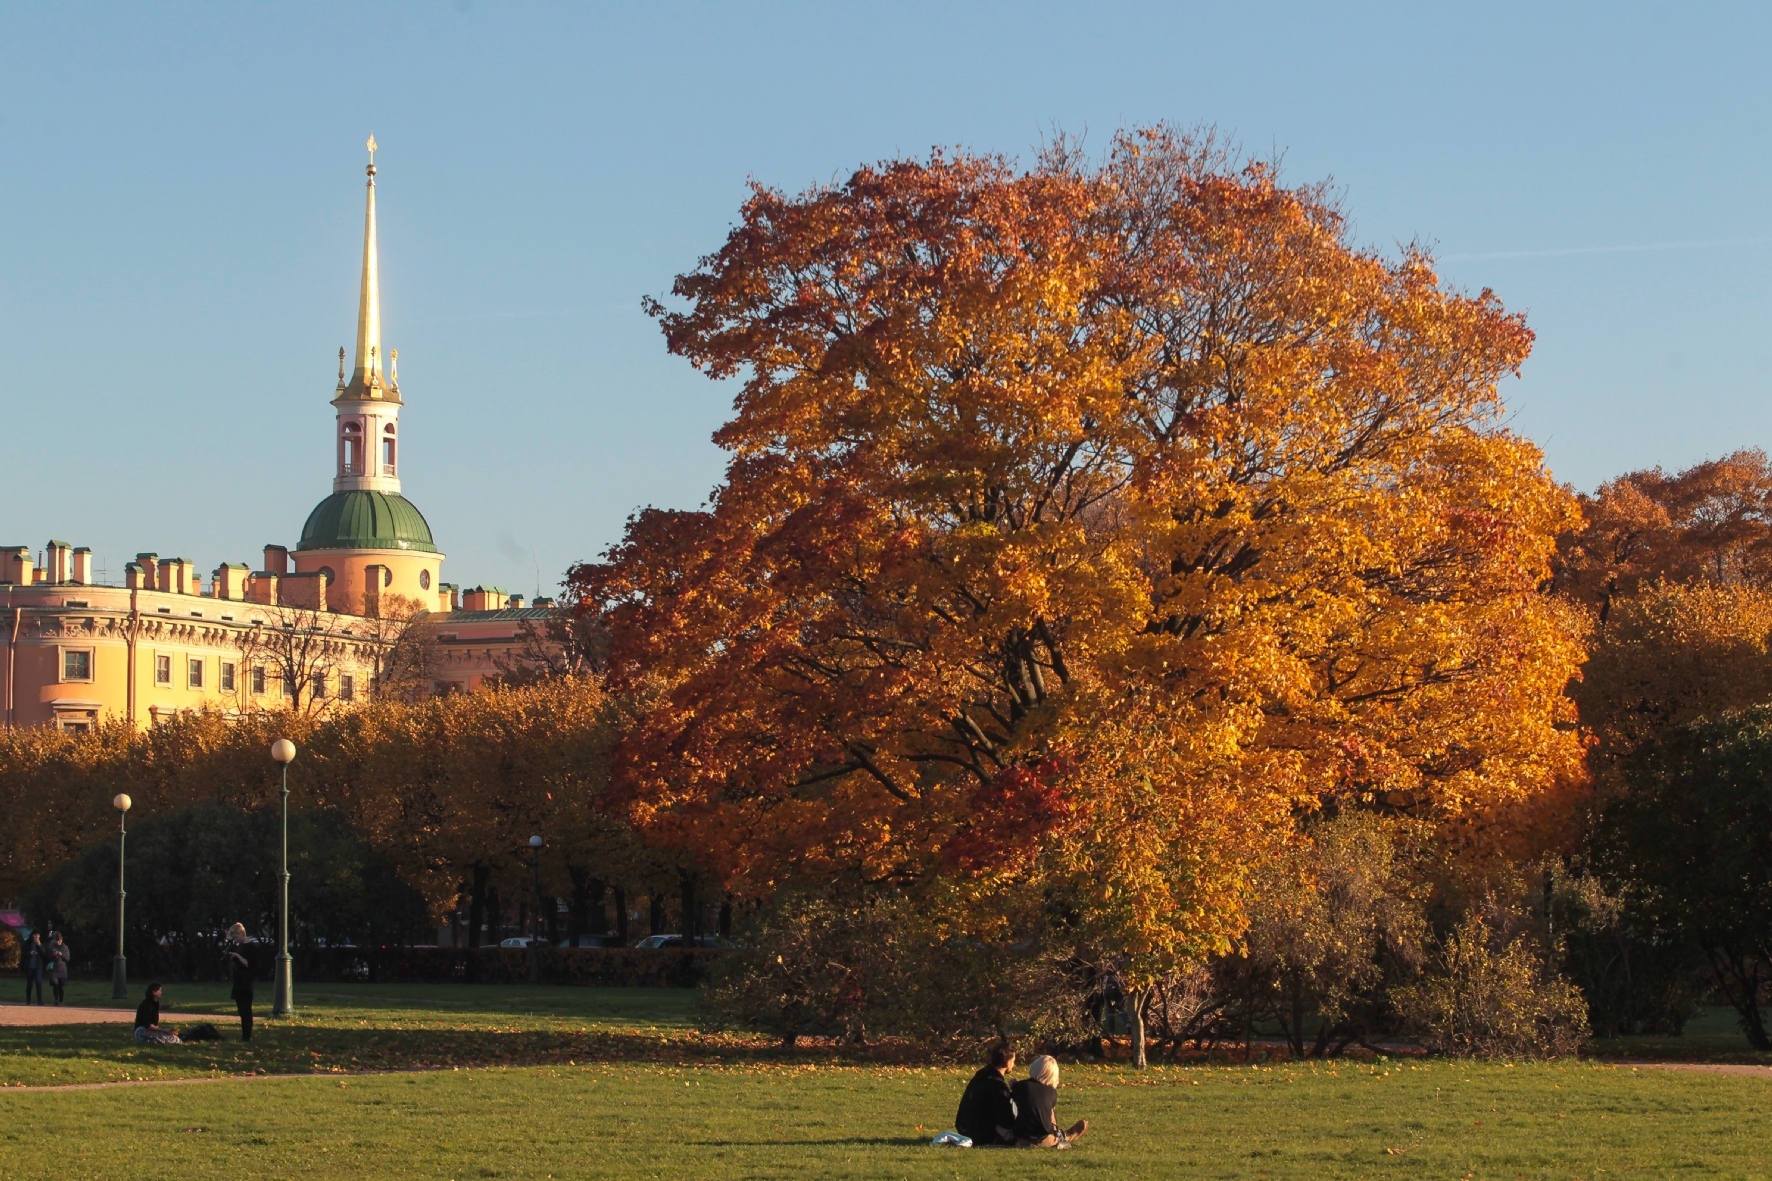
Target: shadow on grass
(839, 1142)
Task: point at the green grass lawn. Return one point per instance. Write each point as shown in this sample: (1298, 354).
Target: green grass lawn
(621, 1120)
(616, 1084)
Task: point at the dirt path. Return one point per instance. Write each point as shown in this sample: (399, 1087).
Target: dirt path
(1706, 1067)
(12, 1013)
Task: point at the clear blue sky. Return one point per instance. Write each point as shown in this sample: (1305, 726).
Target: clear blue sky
(180, 205)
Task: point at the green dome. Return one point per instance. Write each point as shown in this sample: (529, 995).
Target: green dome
(366, 520)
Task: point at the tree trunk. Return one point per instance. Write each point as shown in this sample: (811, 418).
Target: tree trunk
(477, 904)
(655, 913)
(576, 906)
(550, 911)
(726, 919)
(1138, 1007)
(621, 915)
(1741, 985)
(595, 914)
(691, 911)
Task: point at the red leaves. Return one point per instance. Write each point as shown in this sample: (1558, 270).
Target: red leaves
(1011, 817)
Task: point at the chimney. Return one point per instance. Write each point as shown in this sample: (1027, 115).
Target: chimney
(277, 559)
(516, 601)
(262, 588)
(150, 564)
(58, 559)
(136, 578)
(83, 566)
(15, 565)
(230, 580)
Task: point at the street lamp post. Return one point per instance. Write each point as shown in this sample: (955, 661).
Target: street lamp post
(535, 843)
(120, 966)
(283, 990)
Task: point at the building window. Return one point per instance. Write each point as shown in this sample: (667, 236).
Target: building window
(194, 674)
(162, 670)
(258, 679)
(347, 687)
(69, 727)
(77, 664)
(424, 580)
(319, 682)
(289, 684)
(227, 676)
(387, 450)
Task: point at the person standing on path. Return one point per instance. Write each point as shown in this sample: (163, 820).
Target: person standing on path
(239, 959)
(59, 955)
(31, 961)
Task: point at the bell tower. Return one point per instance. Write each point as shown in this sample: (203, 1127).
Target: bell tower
(368, 404)
(366, 538)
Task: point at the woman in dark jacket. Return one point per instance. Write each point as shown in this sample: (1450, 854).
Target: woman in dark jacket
(1036, 1108)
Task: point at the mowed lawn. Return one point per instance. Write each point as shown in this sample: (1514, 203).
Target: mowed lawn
(665, 1103)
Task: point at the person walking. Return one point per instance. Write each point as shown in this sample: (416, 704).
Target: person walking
(31, 961)
(59, 955)
(239, 960)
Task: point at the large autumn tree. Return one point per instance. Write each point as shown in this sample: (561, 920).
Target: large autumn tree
(1087, 521)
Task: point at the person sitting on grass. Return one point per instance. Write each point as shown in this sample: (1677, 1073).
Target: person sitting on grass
(1036, 1105)
(147, 1021)
(987, 1114)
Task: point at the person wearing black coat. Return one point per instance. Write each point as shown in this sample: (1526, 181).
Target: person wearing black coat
(239, 961)
(1036, 1106)
(30, 960)
(987, 1114)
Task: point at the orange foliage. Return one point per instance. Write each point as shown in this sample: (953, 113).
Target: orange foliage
(1135, 481)
(1712, 521)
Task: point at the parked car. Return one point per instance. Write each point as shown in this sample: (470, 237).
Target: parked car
(523, 941)
(653, 942)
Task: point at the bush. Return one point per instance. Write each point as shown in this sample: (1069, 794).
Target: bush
(1634, 980)
(855, 967)
(1481, 1000)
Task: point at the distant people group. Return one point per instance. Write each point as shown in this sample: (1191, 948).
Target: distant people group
(36, 961)
(995, 1112)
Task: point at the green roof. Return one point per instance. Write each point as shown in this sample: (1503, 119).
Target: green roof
(366, 520)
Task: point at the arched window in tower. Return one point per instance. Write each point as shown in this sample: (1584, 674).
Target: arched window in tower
(350, 459)
(387, 450)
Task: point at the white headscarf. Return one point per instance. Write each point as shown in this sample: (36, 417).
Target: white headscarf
(1044, 1069)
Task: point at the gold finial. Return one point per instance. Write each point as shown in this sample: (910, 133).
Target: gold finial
(341, 365)
(394, 366)
(372, 154)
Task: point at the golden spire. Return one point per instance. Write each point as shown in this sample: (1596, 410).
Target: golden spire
(366, 377)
